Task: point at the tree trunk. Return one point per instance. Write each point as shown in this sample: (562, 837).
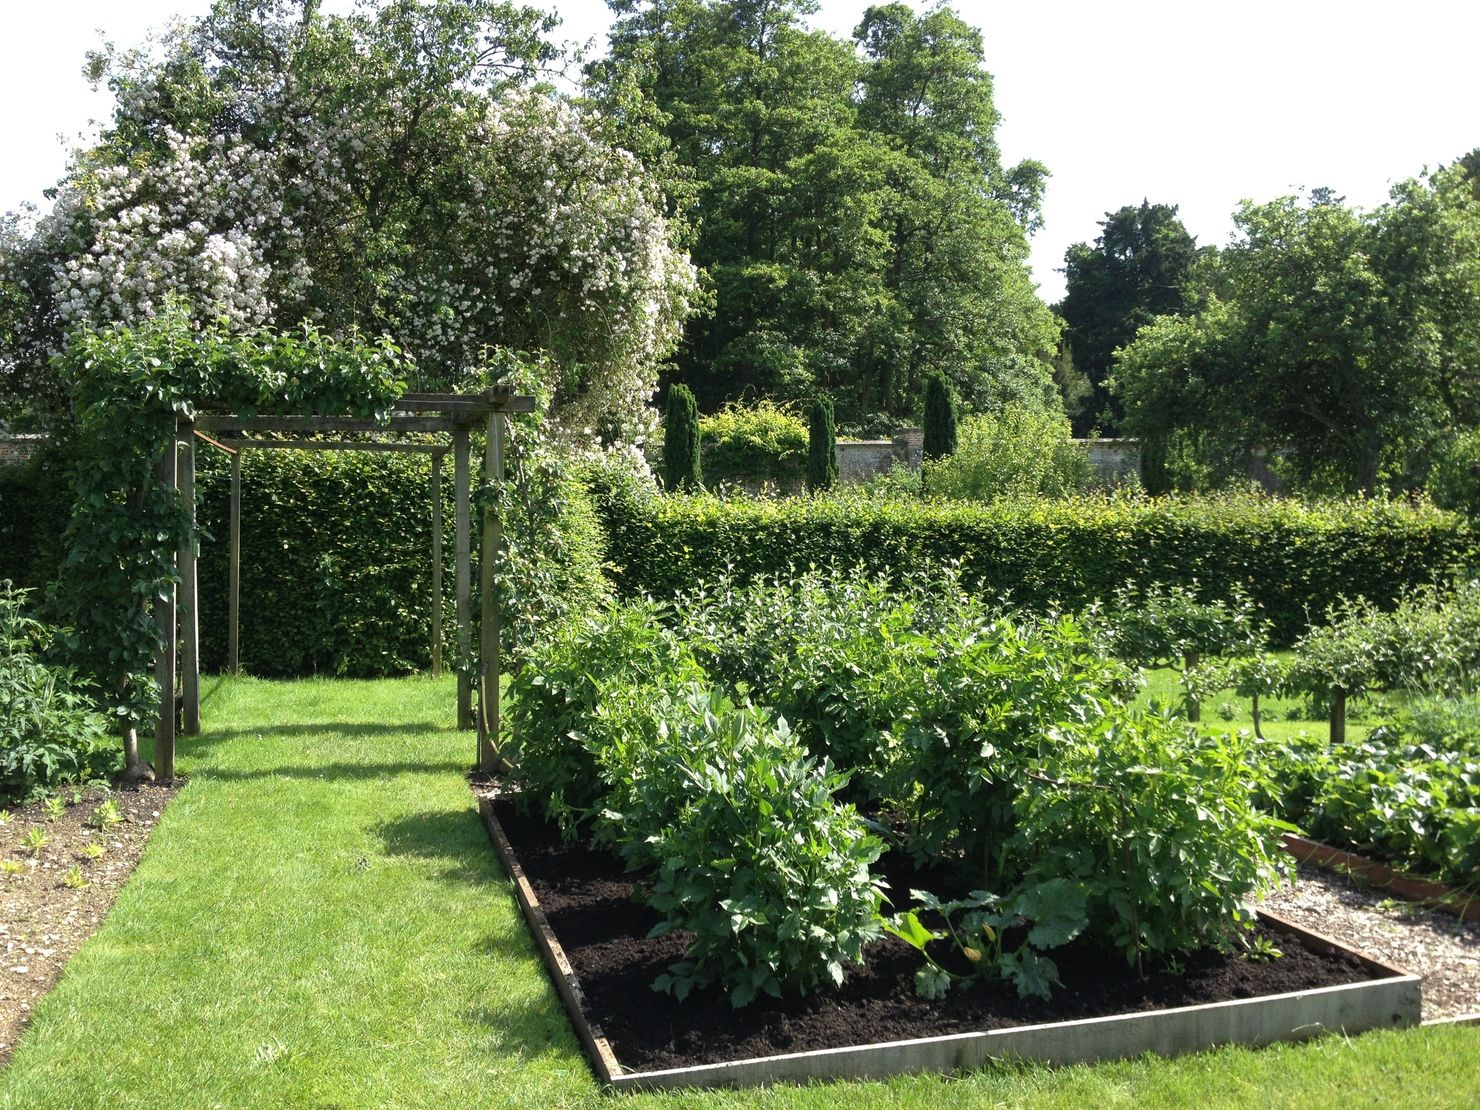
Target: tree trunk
(1338, 715)
(1258, 732)
(1194, 708)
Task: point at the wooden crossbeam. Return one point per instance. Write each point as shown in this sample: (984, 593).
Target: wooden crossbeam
(435, 449)
(414, 412)
(311, 425)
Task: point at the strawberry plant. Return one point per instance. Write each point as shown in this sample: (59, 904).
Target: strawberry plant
(1409, 792)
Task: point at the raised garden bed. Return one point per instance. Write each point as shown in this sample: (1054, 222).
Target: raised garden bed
(592, 932)
(1380, 875)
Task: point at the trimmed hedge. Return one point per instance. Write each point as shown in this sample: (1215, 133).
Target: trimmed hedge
(34, 505)
(752, 446)
(1294, 560)
(336, 562)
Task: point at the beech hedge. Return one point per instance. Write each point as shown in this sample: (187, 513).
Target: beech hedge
(1294, 560)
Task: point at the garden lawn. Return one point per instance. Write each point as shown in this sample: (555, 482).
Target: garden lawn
(319, 922)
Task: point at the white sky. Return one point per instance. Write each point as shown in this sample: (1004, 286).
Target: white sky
(1179, 101)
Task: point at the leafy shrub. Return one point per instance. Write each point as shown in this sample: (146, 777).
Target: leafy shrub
(753, 445)
(1455, 480)
(1016, 452)
(813, 648)
(1294, 560)
(969, 722)
(49, 733)
(1159, 823)
(767, 872)
(587, 697)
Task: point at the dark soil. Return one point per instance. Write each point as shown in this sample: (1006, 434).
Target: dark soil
(596, 911)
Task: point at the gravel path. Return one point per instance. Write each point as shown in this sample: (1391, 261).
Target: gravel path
(1425, 942)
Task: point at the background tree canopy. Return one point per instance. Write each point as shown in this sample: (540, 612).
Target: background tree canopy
(855, 223)
(1140, 267)
(1347, 343)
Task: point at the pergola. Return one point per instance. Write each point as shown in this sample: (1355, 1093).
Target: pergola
(449, 417)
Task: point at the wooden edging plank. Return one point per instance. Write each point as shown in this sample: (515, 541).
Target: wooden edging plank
(1350, 1008)
(566, 983)
(1382, 876)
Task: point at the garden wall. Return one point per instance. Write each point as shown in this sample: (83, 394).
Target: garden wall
(1294, 560)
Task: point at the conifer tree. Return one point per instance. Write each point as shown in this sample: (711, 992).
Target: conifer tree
(940, 418)
(681, 469)
(822, 444)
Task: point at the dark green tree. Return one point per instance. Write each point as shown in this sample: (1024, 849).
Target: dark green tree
(822, 445)
(681, 467)
(940, 418)
(1140, 267)
(856, 227)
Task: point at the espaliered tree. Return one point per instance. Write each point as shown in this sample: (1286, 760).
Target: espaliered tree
(681, 464)
(822, 445)
(940, 418)
(131, 384)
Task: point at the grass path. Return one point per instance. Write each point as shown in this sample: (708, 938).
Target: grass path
(319, 922)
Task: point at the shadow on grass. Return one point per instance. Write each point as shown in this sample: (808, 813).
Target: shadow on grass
(455, 837)
(345, 772)
(327, 728)
(529, 1030)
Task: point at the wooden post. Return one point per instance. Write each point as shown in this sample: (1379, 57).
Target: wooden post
(164, 662)
(464, 541)
(189, 590)
(490, 669)
(1194, 707)
(437, 565)
(234, 599)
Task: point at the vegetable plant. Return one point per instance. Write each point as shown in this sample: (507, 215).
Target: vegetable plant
(1049, 915)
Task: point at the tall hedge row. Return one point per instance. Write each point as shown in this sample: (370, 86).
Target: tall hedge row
(1294, 560)
(336, 562)
(34, 505)
(336, 556)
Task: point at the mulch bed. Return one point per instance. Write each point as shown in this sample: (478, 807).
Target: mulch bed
(43, 919)
(596, 911)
